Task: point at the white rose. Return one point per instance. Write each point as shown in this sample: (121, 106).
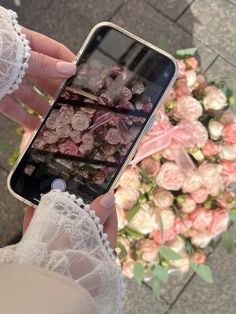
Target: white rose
(228, 152)
(215, 99)
(182, 264)
(192, 181)
(144, 221)
(126, 198)
(162, 198)
(165, 218)
(191, 77)
(122, 222)
(211, 177)
(215, 129)
(201, 239)
(177, 244)
(188, 108)
(128, 267)
(130, 178)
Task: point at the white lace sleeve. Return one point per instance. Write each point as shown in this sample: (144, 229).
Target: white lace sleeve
(14, 52)
(65, 236)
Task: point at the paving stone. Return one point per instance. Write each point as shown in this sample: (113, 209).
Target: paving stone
(170, 8)
(9, 140)
(71, 21)
(222, 70)
(232, 1)
(214, 25)
(11, 213)
(200, 297)
(140, 300)
(141, 19)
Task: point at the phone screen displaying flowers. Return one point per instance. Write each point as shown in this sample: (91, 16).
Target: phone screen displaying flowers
(96, 119)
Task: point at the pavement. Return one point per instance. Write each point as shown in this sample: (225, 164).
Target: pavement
(209, 25)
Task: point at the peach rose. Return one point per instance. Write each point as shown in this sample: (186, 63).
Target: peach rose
(130, 179)
(150, 166)
(162, 198)
(210, 149)
(199, 257)
(76, 136)
(50, 137)
(69, 148)
(65, 115)
(165, 219)
(80, 121)
(191, 77)
(201, 238)
(144, 221)
(229, 133)
(181, 88)
(188, 108)
(113, 136)
(202, 218)
(215, 129)
(229, 170)
(192, 181)
(191, 63)
(188, 205)
(228, 152)
(161, 237)
(52, 121)
(181, 68)
(220, 222)
(211, 177)
(215, 99)
(63, 130)
(200, 195)
(170, 177)
(182, 264)
(225, 200)
(149, 250)
(128, 267)
(182, 226)
(177, 244)
(126, 198)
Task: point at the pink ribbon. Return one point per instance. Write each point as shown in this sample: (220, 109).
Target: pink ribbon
(107, 117)
(164, 135)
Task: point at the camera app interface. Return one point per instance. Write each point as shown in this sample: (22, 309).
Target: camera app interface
(96, 119)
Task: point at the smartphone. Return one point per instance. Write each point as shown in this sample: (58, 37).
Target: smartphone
(97, 118)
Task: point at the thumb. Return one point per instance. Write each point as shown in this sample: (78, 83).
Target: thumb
(103, 205)
(43, 66)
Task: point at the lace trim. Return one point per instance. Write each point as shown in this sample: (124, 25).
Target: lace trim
(26, 53)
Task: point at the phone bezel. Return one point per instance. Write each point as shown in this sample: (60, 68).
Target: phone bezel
(148, 123)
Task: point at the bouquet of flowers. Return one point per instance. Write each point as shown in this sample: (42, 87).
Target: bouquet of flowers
(178, 195)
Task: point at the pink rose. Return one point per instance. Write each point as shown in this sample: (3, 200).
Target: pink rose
(202, 81)
(69, 148)
(88, 139)
(113, 136)
(63, 130)
(191, 63)
(181, 68)
(39, 143)
(188, 205)
(182, 226)
(99, 178)
(181, 88)
(80, 121)
(170, 177)
(187, 108)
(210, 149)
(149, 250)
(192, 181)
(227, 117)
(50, 137)
(65, 115)
(211, 177)
(229, 133)
(162, 237)
(85, 148)
(220, 222)
(88, 110)
(199, 257)
(225, 200)
(199, 131)
(52, 121)
(76, 136)
(150, 166)
(229, 171)
(202, 218)
(200, 195)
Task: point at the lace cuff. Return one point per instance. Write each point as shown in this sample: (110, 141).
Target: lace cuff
(14, 52)
(65, 236)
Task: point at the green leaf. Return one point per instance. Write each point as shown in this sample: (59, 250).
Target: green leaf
(232, 215)
(132, 212)
(186, 52)
(123, 251)
(156, 288)
(168, 253)
(138, 272)
(132, 232)
(203, 271)
(228, 241)
(160, 272)
(14, 156)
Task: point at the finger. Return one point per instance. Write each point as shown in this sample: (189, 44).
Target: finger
(25, 140)
(42, 66)
(111, 227)
(27, 218)
(103, 206)
(14, 111)
(50, 86)
(48, 46)
(31, 98)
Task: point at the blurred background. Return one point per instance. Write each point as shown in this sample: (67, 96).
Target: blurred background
(209, 25)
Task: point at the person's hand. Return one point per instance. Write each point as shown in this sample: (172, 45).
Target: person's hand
(50, 62)
(104, 206)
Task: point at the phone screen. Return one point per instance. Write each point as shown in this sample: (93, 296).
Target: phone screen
(96, 119)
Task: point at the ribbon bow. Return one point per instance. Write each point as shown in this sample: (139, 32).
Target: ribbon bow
(163, 135)
(107, 117)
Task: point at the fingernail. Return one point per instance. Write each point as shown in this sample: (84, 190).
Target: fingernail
(107, 200)
(66, 68)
